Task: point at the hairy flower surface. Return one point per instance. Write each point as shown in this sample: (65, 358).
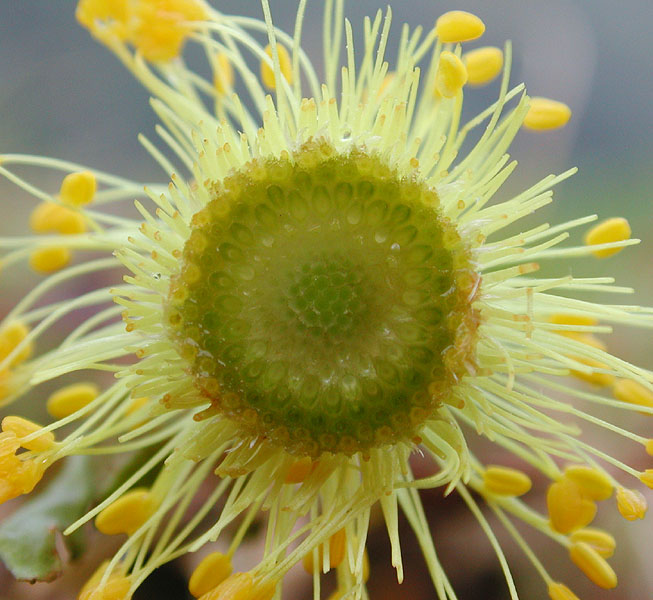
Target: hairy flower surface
(322, 290)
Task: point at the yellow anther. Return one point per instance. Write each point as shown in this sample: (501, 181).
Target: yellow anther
(593, 483)
(223, 74)
(385, 84)
(49, 260)
(616, 229)
(285, 66)
(632, 392)
(263, 590)
(631, 504)
(238, 586)
(600, 540)
(458, 26)
(127, 513)
(49, 217)
(17, 476)
(647, 478)
(594, 377)
(23, 427)
(116, 586)
(78, 189)
(590, 562)
(299, 470)
(11, 335)
(71, 398)
(563, 319)
(649, 447)
(451, 75)
(337, 547)
(162, 26)
(110, 15)
(366, 566)
(506, 482)
(135, 405)
(569, 508)
(210, 573)
(559, 591)
(544, 114)
(483, 64)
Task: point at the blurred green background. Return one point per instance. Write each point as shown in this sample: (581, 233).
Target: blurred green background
(63, 95)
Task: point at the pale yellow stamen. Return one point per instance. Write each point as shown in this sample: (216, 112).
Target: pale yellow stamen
(647, 478)
(559, 591)
(600, 540)
(12, 335)
(616, 229)
(483, 64)
(458, 26)
(127, 513)
(223, 74)
(569, 508)
(23, 427)
(285, 66)
(71, 398)
(506, 482)
(49, 217)
(544, 114)
(78, 189)
(299, 470)
(116, 587)
(590, 562)
(631, 504)
(451, 75)
(337, 547)
(49, 260)
(595, 484)
(632, 392)
(209, 573)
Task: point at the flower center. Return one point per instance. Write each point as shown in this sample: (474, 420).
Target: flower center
(323, 302)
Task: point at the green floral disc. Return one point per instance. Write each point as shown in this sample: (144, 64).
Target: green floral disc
(323, 302)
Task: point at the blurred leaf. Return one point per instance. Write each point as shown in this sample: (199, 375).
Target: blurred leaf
(28, 538)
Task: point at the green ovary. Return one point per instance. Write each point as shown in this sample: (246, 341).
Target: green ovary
(323, 302)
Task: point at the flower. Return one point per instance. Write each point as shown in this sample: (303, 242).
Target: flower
(324, 293)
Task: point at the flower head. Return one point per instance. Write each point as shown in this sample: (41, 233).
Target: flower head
(320, 291)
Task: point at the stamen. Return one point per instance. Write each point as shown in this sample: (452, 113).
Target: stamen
(11, 335)
(209, 573)
(595, 484)
(590, 562)
(70, 399)
(544, 114)
(223, 74)
(647, 478)
(451, 75)
(458, 26)
(49, 217)
(559, 591)
(483, 64)
(285, 65)
(22, 428)
(78, 189)
(631, 504)
(127, 513)
(300, 470)
(616, 229)
(337, 547)
(603, 542)
(49, 260)
(569, 508)
(115, 587)
(632, 392)
(506, 482)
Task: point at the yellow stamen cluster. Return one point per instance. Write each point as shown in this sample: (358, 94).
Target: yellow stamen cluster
(506, 482)
(571, 501)
(544, 114)
(241, 586)
(126, 514)
(483, 64)
(590, 562)
(116, 586)
(451, 75)
(71, 398)
(285, 66)
(156, 28)
(17, 476)
(616, 229)
(209, 573)
(458, 26)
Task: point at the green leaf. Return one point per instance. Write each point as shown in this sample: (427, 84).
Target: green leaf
(28, 538)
